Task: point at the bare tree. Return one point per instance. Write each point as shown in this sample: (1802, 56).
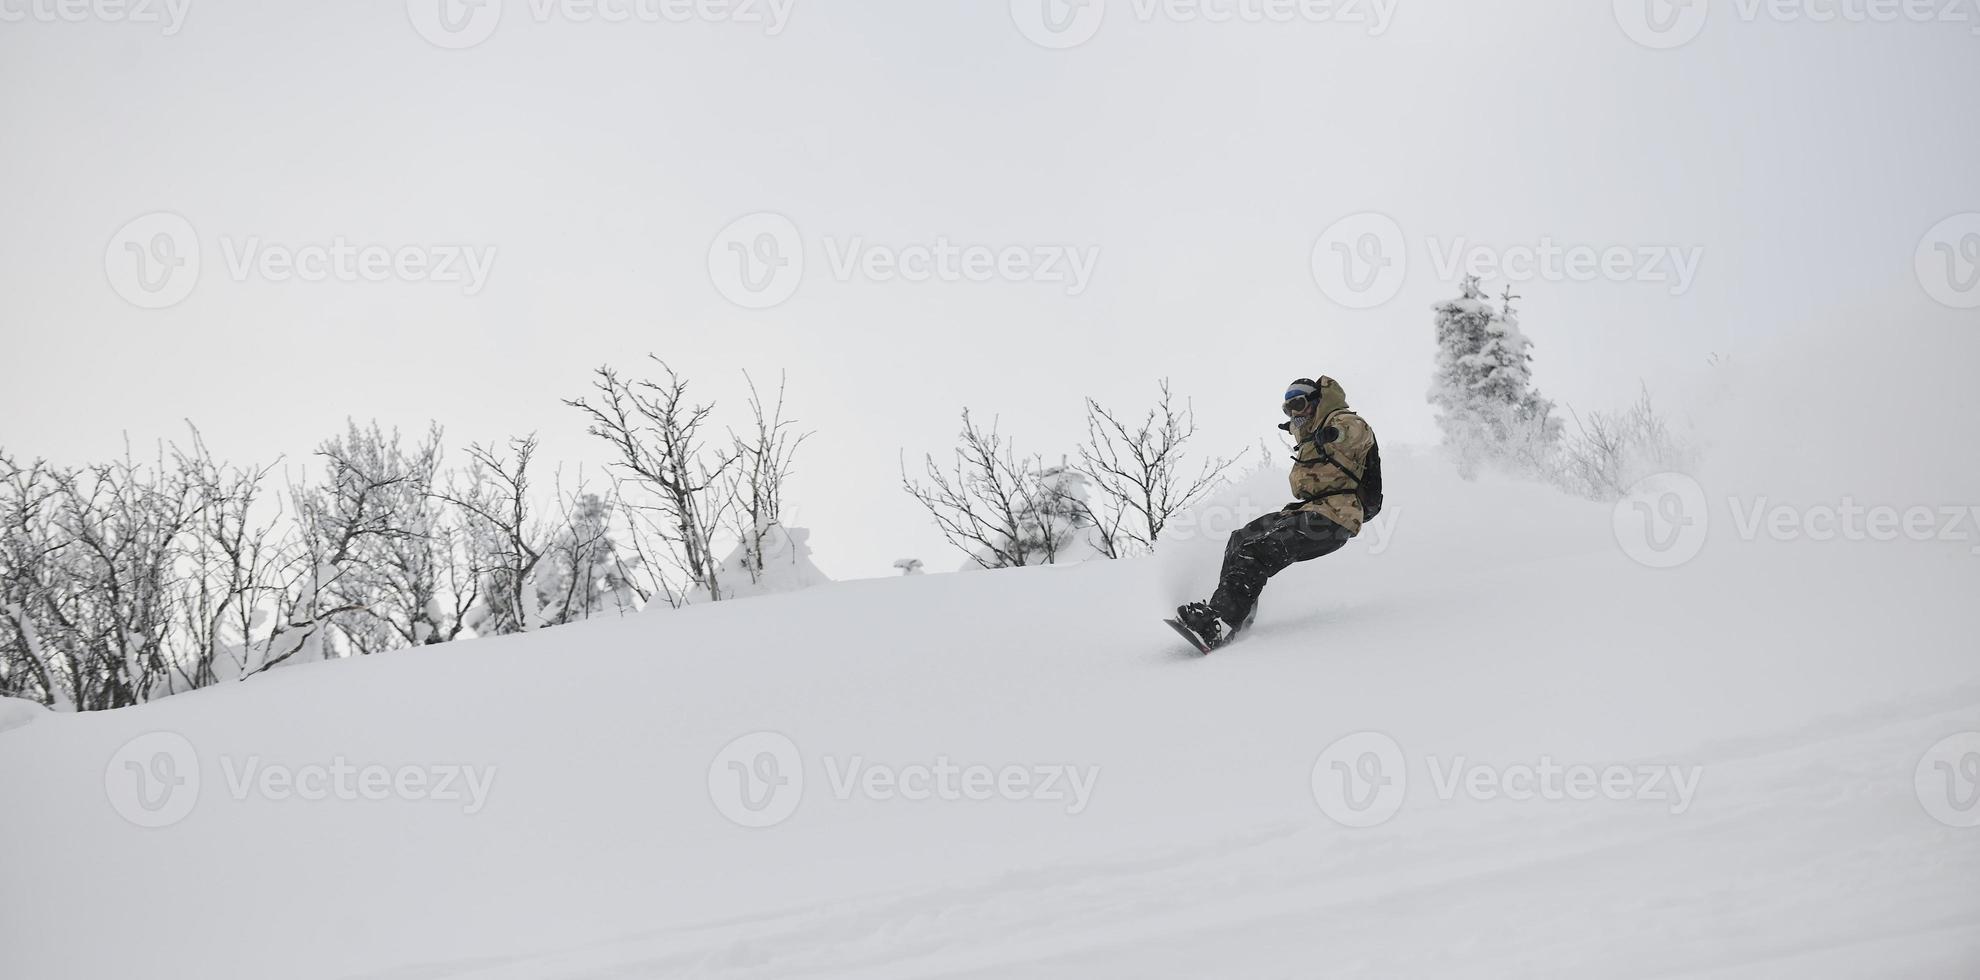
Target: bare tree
(765, 456)
(505, 538)
(339, 524)
(639, 559)
(30, 549)
(1002, 510)
(657, 438)
(109, 598)
(125, 581)
(1140, 473)
(239, 572)
(397, 576)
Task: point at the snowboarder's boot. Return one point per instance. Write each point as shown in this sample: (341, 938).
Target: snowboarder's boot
(1201, 619)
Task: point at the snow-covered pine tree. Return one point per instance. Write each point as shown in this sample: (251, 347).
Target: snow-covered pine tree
(1487, 406)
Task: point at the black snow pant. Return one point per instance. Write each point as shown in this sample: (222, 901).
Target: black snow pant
(1264, 548)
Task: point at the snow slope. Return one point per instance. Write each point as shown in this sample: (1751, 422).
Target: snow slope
(1804, 684)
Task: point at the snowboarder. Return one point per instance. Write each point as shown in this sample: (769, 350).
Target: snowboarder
(1337, 476)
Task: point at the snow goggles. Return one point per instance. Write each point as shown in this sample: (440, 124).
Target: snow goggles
(1298, 403)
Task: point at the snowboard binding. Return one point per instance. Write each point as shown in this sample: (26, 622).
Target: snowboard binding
(1205, 630)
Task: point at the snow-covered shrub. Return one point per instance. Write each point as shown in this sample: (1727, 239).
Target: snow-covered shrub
(1610, 451)
(775, 559)
(1003, 510)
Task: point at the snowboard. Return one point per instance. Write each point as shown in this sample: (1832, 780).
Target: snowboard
(1202, 646)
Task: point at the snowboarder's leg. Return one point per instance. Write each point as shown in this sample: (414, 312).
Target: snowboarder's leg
(1264, 548)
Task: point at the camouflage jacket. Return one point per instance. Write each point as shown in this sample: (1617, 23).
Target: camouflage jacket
(1333, 446)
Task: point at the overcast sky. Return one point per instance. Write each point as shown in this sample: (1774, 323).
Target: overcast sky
(1761, 177)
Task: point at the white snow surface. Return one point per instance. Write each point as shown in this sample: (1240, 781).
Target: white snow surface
(15, 712)
(1496, 622)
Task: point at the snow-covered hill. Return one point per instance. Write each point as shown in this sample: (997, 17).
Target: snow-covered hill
(1731, 767)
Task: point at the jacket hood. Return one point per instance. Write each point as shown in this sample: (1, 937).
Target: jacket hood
(1333, 397)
